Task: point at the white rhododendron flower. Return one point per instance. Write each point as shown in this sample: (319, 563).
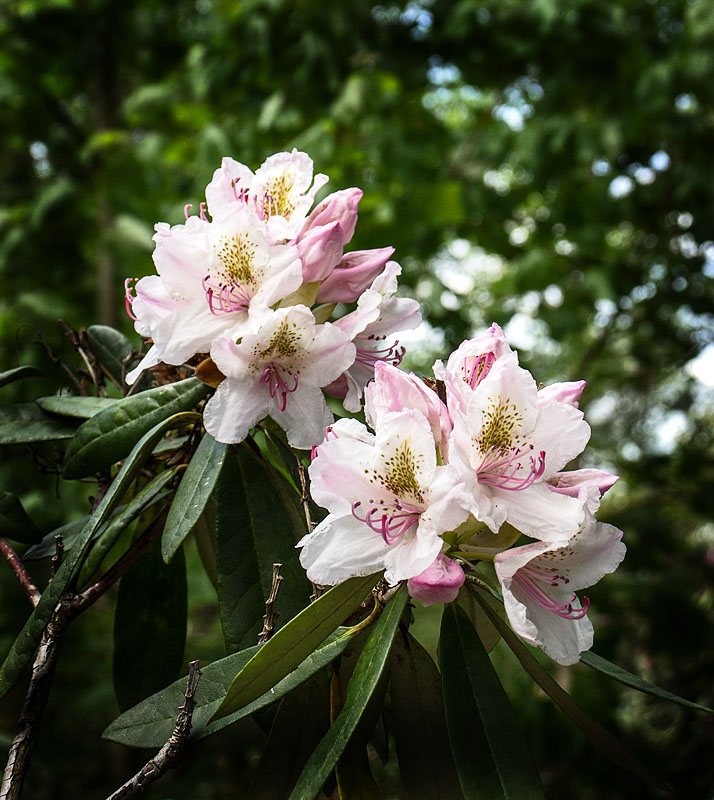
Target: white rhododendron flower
(539, 582)
(388, 499)
(278, 371)
(505, 447)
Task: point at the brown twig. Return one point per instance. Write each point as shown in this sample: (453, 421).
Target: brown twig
(35, 701)
(317, 590)
(170, 754)
(271, 612)
(21, 573)
(59, 554)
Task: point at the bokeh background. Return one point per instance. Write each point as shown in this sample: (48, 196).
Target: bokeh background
(545, 165)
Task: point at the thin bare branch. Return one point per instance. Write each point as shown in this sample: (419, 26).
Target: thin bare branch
(170, 754)
(271, 612)
(23, 576)
(38, 692)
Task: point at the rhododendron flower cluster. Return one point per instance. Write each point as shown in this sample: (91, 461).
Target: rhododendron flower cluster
(253, 280)
(442, 486)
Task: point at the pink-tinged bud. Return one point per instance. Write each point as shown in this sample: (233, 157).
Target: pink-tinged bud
(580, 480)
(567, 392)
(439, 583)
(353, 275)
(320, 251)
(338, 207)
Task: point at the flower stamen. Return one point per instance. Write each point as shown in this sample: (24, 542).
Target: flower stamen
(273, 377)
(393, 523)
(501, 468)
(531, 579)
(129, 297)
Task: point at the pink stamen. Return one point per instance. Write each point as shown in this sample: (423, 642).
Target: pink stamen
(273, 377)
(502, 469)
(369, 358)
(186, 209)
(129, 298)
(330, 430)
(481, 368)
(313, 453)
(530, 579)
(390, 526)
(203, 216)
(226, 298)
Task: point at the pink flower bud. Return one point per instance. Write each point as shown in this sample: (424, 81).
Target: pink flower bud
(320, 251)
(567, 392)
(439, 583)
(353, 275)
(338, 207)
(580, 480)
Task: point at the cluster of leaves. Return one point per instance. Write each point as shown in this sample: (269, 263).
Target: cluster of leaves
(161, 479)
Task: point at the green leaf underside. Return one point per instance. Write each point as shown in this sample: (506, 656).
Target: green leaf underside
(27, 423)
(109, 435)
(29, 637)
(426, 765)
(599, 736)
(15, 524)
(301, 721)
(193, 493)
(490, 753)
(369, 668)
(103, 542)
(149, 626)
(291, 645)
(77, 407)
(635, 682)
(258, 523)
(113, 349)
(17, 374)
(150, 723)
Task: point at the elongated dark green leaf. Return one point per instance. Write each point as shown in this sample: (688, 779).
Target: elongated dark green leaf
(14, 522)
(193, 493)
(109, 435)
(149, 626)
(479, 619)
(599, 736)
(491, 755)
(46, 548)
(17, 374)
(300, 723)
(26, 423)
(292, 644)
(635, 682)
(24, 646)
(150, 723)
(112, 349)
(365, 678)
(425, 763)
(258, 523)
(106, 537)
(77, 407)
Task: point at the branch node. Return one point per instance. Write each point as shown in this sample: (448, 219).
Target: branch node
(271, 612)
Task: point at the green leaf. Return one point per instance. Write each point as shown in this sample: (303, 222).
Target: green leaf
(113, 350)
(24, 646)
(294, 642)
(149, 626)
(193, 493)
(635, 682)
(150, 723)
(109, 435)
(365, 678)
(105, 538)
(70, 406)
(17, 374)
(425, 763)
(489, 636)
(599, 736)
(300, 723)
(258, 523)
(15, 524)
(26, 423)
(491, 755)
(46, 547)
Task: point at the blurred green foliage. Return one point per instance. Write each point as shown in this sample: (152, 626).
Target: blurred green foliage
(545, 165)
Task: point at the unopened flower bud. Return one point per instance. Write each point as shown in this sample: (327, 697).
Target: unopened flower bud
(439, 583)
(320, 251)
(353, 275)
(338, 207)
